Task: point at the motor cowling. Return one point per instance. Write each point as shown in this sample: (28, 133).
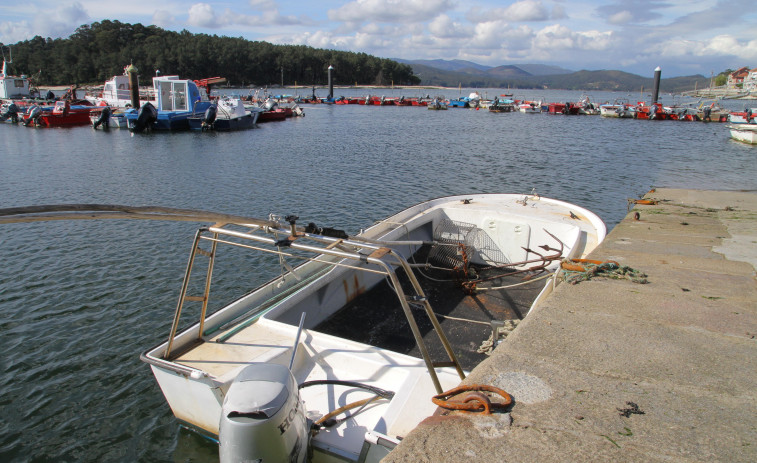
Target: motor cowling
(34, 113)
(262, 417)
(104, 118)
(210, 116)
(147, 115)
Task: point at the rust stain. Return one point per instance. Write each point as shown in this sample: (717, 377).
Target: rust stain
(352, 294)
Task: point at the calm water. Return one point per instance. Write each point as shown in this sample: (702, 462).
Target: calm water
(81, 300)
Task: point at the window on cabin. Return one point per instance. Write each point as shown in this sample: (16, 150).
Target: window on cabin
(180, 96)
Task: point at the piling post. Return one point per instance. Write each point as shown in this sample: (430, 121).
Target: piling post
(132, 70)
(656, 93)
(331, 84)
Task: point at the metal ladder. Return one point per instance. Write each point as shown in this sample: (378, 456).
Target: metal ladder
(183, 297)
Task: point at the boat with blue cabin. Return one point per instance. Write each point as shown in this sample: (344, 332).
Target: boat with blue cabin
(175, 101)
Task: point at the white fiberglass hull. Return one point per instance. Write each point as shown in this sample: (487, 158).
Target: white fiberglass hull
(261, 326)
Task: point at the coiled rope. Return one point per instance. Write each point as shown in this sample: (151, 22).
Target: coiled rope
(575, 271)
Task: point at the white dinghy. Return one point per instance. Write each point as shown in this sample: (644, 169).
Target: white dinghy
(267, 376)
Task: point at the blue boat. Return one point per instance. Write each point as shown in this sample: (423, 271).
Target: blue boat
(176, 100)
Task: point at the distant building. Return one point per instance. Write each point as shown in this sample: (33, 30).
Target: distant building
(750, 81)
(737, 77)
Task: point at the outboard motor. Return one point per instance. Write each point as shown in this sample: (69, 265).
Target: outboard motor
(210, 116)
(146, 116)
(11, 113)
(104, 118)
(269, 105)
(262, 417)
(34, 113)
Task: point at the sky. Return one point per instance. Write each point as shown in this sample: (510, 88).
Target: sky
(683, 37)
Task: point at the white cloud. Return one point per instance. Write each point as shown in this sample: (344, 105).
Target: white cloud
(527, 10)
(60, 22)
(390, 10)
(263, 5)
(13, 31)
(163, 18)
(621, 17)
(202, 15)
(523, 11)
(444, 27)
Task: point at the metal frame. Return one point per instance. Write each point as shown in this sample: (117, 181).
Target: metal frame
(383, 258)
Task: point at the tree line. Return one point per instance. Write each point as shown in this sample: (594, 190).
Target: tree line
(97, 52)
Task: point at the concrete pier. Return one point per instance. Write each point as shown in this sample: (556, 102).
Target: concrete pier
(613, 370)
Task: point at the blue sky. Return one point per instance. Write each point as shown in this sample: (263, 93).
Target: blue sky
(683, 37)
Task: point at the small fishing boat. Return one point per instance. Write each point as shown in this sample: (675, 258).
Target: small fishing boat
(105, 116)
(747, 116)
(63, 114)
(746, 133)
(620, 108)
(340, 356)
(436, 105)
(529, 107)
(502, 104)
(13, 87)
(226, 114)
(176, 100)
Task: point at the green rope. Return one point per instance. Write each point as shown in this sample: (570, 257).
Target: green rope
(607, 270)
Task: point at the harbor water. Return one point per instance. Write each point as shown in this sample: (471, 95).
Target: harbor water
(82, 299)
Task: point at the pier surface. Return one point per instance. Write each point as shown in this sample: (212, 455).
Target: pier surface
(613, 370)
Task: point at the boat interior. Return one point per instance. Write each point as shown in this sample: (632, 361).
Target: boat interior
(422, 292)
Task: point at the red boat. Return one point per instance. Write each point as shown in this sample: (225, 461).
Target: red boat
(276, 114)
(563, 108)
(63, 114)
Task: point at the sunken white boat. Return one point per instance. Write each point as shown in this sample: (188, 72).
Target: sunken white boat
(336, 359)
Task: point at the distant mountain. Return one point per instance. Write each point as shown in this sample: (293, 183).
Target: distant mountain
(469, 67)
(543, 69)
(446, 65)
(453, 73)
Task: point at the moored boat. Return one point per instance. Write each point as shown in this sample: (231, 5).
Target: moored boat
(531, 107)
(62, 114)
(619, 108)
(746, 133)
(502, 104)
(436, 104)
(274, 362)
(176, 100)
(13, 87)
(226, 114)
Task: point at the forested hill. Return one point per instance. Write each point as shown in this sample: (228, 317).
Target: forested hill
(97, 52)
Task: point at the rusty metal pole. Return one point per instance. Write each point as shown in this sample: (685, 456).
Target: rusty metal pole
(132, 70)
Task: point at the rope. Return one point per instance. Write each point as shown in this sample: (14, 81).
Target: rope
(607, 269)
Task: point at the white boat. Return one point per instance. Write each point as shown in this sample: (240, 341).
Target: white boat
(273, 373)
(620, 108)
(227, 113)
(746, 133)
(13, 87)
(748, 116)
(531, 107)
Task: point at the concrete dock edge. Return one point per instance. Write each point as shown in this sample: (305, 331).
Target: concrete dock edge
(614, 370)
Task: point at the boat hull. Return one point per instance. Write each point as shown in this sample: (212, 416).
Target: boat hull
(745, 133)
(225, 124)
(262, 325)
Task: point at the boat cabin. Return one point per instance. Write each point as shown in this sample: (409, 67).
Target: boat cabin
(13, 86)
(174, 94)
(116, 91)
